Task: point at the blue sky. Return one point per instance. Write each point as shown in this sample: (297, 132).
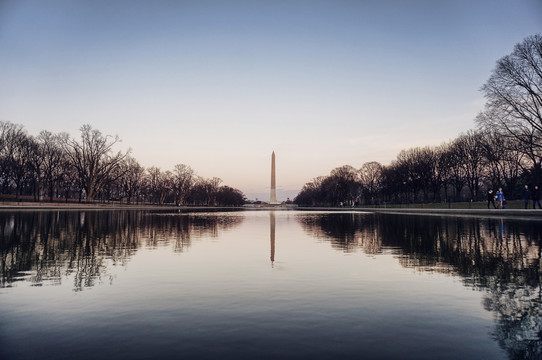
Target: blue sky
(219, 85)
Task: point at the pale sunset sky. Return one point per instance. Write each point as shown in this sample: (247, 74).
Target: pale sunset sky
(219, 85)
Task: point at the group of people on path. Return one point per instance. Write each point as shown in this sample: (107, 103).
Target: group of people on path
(499, 196)
(526, 195)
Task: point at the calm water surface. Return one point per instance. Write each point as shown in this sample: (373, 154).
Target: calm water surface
(268, 285)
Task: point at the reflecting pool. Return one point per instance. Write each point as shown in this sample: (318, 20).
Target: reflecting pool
(268, 285)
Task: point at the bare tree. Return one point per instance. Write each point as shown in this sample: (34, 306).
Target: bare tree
(457, 177)
(35, 167)
(52, 158)
(214, 187)
(93, 158)
(395, 182)
(470, 151)
(199, 193)
(160, 184)
(166, 187)
(132, 178)
(153, 183)
(444, 163)
(418, 165)
(311, 193)
(504, 162)
(16, 154)
(183, 180)
(514, 100)
(342, 185)
(204, 191)
(370, 176)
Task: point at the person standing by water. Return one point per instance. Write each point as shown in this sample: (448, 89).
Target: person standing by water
(491, 199)
(500, 198)
(536, 197)
(526, 195)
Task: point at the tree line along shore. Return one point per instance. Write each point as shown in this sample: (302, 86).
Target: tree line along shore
(55, 168)
(503, 151)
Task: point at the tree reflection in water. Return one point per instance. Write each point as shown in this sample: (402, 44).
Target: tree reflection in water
(497, 256)
(46, 247)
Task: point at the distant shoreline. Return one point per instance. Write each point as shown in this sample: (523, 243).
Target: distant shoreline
(533, 214)
(86, 206)
(30, 205)
(35, 206)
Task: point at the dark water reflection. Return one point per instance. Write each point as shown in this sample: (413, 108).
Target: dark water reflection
(42, 247)
(497, 258)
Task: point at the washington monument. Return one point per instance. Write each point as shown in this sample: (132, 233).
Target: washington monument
(273, 199)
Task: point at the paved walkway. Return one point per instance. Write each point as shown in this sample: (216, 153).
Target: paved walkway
(536, 213)
(477, 212)
(530, 213)
(97, 206)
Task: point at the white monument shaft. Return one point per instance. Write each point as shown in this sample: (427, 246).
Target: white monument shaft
(273, 199)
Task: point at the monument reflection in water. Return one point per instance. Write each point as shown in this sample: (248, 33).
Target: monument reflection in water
(135, 284)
